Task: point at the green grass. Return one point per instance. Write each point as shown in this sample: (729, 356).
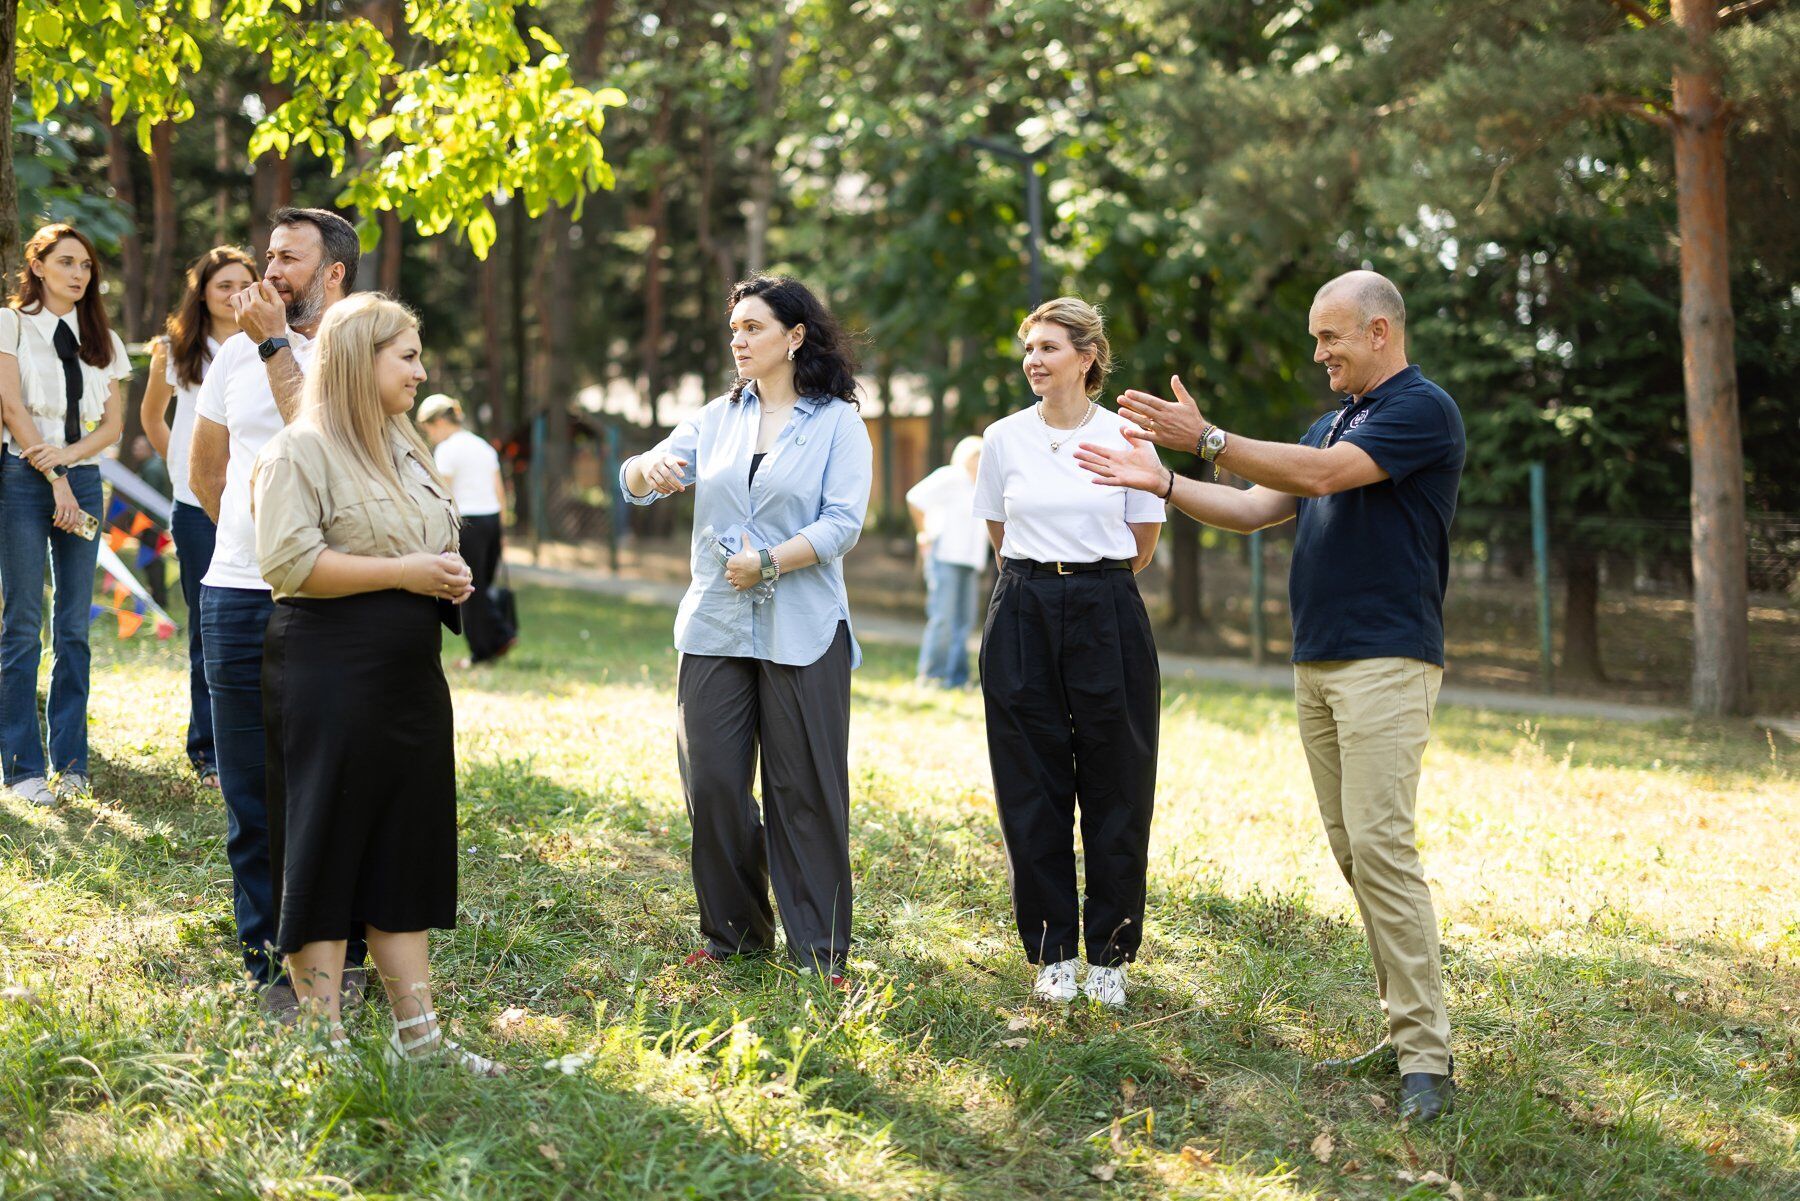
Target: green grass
(1622, 947)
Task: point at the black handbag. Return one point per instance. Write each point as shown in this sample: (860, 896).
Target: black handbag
(506, 603)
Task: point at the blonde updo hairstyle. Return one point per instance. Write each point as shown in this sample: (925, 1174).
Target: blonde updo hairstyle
(1087, 334)
(342, 398)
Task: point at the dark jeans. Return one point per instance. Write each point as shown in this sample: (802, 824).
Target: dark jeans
(194, 534)
(233, 622)
(487, 631)
(29, 543)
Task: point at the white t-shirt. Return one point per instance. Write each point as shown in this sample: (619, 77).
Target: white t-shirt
(947, 498)
(28, 337)
(468, 464)
(236, 395)
(181, 430)
(1053, 509)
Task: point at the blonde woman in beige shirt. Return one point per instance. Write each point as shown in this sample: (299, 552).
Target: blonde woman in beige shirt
(356, 534)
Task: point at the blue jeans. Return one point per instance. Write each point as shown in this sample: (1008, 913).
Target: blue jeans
(949, 615)
(194, 534)
(233, 622)
(29, 543)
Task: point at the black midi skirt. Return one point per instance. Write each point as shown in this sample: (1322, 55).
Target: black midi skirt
(362, 767)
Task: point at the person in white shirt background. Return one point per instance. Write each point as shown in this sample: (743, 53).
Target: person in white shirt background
(60, 370)
(1068, 665)
(472, 469)
(179, 361)
(954, 546)
(250, 394)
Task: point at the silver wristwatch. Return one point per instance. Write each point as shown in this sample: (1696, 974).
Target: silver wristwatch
(1211, 444)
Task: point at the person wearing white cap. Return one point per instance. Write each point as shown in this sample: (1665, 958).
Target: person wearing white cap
(472, 469)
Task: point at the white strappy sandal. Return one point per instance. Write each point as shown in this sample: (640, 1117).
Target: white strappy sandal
(434, 1045)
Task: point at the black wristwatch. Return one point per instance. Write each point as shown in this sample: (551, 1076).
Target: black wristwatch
(59, 471)
(270, 347)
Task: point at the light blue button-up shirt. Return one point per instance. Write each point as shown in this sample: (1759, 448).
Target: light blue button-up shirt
(814, 482)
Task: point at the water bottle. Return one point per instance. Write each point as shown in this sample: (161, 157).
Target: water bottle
(722, 550)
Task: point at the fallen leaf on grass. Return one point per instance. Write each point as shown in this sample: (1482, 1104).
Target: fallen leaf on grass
(1014, 1043)
(549, 1152)
(19, 993)
(1438, 1180)
(510, 1018)
(1019, 1023)
(1103, 1171)
(1128, 1090)
(1117, 1137)
(1323, 1145)
(1379, 1103)
(1199, 1160)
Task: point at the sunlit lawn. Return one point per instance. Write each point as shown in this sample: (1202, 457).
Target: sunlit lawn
(1621, 935)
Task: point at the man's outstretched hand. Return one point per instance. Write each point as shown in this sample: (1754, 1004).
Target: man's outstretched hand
(1173, 423)
(1135, 466)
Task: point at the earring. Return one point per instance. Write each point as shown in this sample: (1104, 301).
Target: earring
(791, 351)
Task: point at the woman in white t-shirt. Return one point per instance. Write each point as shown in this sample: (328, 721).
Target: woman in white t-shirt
(1068, 665)
(60, 370)
(954, 545)
(178, 363)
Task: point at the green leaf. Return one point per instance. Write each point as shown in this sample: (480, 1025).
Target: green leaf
(482, 232)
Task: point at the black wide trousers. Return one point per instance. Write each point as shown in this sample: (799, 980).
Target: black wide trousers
(798, 719)
(1073, 696)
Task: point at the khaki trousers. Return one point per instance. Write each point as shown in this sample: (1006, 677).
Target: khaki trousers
(1365, 723)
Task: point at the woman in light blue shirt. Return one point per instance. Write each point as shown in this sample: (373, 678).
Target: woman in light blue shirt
(780, 468)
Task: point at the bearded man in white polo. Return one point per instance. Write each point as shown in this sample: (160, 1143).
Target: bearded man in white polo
(1372, 490)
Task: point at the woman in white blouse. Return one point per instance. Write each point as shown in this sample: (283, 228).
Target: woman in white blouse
(1068, 666)
(60, 370)
(178, 363)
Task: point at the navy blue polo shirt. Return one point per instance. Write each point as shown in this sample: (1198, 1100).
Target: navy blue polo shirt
(1371, 564)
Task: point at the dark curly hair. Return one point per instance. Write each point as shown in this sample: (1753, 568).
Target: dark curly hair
(823, 365)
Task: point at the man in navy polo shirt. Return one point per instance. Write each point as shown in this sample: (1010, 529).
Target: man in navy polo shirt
(1372, 489)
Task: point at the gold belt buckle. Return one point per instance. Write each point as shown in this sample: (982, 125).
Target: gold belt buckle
(1059, 569)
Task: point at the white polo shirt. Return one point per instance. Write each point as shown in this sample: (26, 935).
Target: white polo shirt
(468, 464)
(236, 395)
(1053, 509)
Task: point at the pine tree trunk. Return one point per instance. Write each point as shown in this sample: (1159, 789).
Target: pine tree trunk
(119, 150)
(222, 160)
(650, 351)
(1709, 372)
(271, 181)
(493, 350)
(163, 234)
(9, 183)
(550, 374)
(1581, 613)
(393, 246)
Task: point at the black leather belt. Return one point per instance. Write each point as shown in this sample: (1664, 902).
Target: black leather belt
(1036, 568)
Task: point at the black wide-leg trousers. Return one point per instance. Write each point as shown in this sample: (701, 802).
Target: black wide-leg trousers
(798, 718)
(1073, 696)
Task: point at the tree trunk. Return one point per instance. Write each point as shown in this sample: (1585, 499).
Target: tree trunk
(550, 369)
(650, 353)
(163, 233)
(9, 184)
(762, 152)
(493, 352)
(271, 183)
(1186, 608)
(1581, 613)
(222, 160)
(393, 246)
(131, 246)
(1721, 684)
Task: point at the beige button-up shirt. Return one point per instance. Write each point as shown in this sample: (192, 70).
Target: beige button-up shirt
(309, 495)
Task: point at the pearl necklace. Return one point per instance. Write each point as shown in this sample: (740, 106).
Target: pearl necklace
(1056, 443)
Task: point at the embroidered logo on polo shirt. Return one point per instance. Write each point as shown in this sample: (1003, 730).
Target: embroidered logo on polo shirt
(1357, 420)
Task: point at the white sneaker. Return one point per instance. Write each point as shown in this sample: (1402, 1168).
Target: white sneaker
(72, 784)
(1105, 985)
(1055, 982)
(36, 789)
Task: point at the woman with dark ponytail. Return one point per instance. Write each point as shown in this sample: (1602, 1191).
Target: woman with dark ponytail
(780, 467)
(178, 363)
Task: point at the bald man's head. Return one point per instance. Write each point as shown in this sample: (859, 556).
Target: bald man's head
(1358, 323)
(1373, 294)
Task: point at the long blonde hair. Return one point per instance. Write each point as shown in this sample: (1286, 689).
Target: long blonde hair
(342, 399)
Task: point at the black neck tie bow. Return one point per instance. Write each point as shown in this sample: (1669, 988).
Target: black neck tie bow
(69, 351)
